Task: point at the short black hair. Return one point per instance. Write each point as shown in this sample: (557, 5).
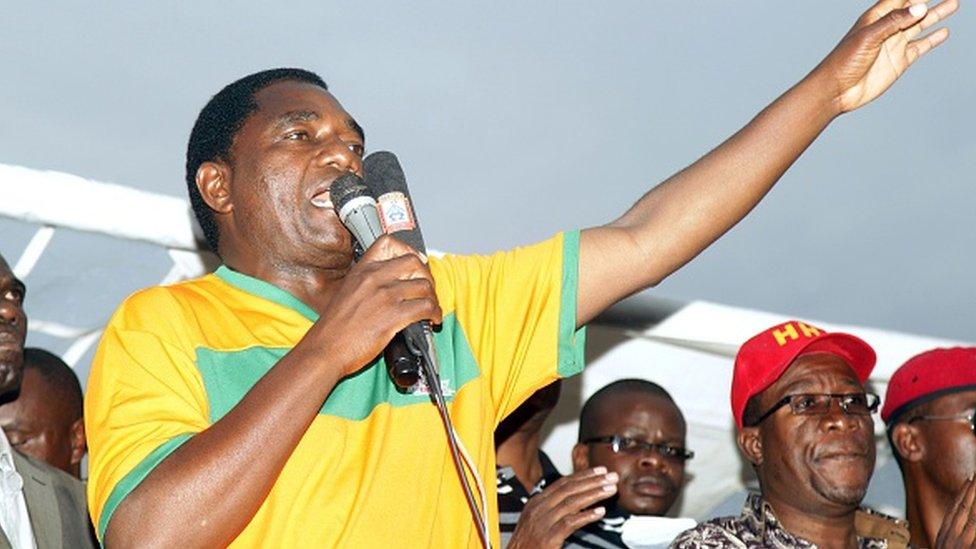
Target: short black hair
(588, 416)
(62, 379)
(216, 126)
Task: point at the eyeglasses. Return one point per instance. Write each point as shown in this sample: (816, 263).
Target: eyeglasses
(857, 404)
(633, 446)
(970, 417)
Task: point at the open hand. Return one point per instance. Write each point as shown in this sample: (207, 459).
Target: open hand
(562, 508)
(884, 42)
(959, 525)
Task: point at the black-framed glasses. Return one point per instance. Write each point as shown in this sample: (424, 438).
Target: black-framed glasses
(818, 404)
(628, 445)
(968, 416)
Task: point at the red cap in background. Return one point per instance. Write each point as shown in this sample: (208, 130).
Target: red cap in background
(928, 376)
(765, 357)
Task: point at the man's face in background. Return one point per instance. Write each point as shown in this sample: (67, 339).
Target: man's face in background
(13, 329)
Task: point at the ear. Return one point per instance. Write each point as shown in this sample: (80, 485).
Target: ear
(213, 181)
(79, 447)
(750, 444)
(907, 441)
(581, 457)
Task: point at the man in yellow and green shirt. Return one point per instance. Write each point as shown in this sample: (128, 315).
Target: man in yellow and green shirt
(247, 407)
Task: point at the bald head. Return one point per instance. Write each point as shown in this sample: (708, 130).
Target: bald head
(603, 402)
(44, 418)
(633, 428)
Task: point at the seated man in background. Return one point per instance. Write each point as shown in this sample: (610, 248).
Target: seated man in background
(44, 419)
(632, 441)
(40, 506)
(633, 428)
(804, 423)
(929, 409)
(523, 469)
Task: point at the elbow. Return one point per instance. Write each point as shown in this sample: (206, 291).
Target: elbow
(125, 529)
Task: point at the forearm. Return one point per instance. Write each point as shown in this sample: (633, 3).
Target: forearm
(680, 217)
(206, 491)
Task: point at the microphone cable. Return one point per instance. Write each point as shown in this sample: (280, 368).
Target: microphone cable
(458, 453)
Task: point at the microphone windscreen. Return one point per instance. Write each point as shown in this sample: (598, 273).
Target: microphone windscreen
(346, 188)
(385, 179)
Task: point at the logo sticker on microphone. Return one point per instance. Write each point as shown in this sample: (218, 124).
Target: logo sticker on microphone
(395, 213)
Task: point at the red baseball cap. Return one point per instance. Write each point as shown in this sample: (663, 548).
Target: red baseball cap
(928, 376)
(766, 356)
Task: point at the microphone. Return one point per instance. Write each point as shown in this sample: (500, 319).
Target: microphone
(357, 209)
(386, 181)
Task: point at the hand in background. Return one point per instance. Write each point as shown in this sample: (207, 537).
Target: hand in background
(562, 508)
(959, 525)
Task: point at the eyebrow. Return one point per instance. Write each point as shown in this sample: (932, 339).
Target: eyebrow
(354, 126)
(803, 385)
(291, 117)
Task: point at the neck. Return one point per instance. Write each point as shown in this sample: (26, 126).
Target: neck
(314, 285)
(834, 531)
(520, 451)
(924, 509)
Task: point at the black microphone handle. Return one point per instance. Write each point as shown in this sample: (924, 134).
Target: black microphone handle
(357, 211)
(385, 179)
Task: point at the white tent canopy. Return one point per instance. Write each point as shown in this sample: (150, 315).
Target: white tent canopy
(687, 348)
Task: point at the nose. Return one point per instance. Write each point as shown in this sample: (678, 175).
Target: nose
(10, 312)
(837, 418)
(652, 459)
(337, 154)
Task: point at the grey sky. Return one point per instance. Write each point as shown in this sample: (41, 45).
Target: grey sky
(515, 120)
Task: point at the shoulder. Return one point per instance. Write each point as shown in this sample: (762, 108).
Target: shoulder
(69, 491)
(718, 532)
(871, 524)
(169, 311)
(170, 297)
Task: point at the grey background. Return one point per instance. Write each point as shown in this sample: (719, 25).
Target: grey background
(515, 120)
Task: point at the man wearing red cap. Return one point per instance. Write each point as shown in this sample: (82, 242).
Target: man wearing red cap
(929, 409)
(804, 423)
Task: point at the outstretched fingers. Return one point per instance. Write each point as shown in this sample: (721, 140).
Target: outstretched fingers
(920, 47)
(940, 12)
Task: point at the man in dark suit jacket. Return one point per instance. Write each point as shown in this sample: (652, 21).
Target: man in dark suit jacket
(56, 515)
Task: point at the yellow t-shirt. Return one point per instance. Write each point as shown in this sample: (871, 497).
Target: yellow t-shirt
(374, 468)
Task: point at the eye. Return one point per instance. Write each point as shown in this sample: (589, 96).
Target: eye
(670, 451)
(627, 444)
(14, 294)
(296, 135)
(356, 148)
(804, 402)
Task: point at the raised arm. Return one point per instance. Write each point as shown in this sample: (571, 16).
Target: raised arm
(680, 217)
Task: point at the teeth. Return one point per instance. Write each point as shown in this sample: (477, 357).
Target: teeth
(322, 200)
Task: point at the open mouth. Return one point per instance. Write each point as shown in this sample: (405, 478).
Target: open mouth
(322, 200)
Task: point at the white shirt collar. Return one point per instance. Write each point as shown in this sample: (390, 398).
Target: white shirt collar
(14, 518)
(11, 482)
